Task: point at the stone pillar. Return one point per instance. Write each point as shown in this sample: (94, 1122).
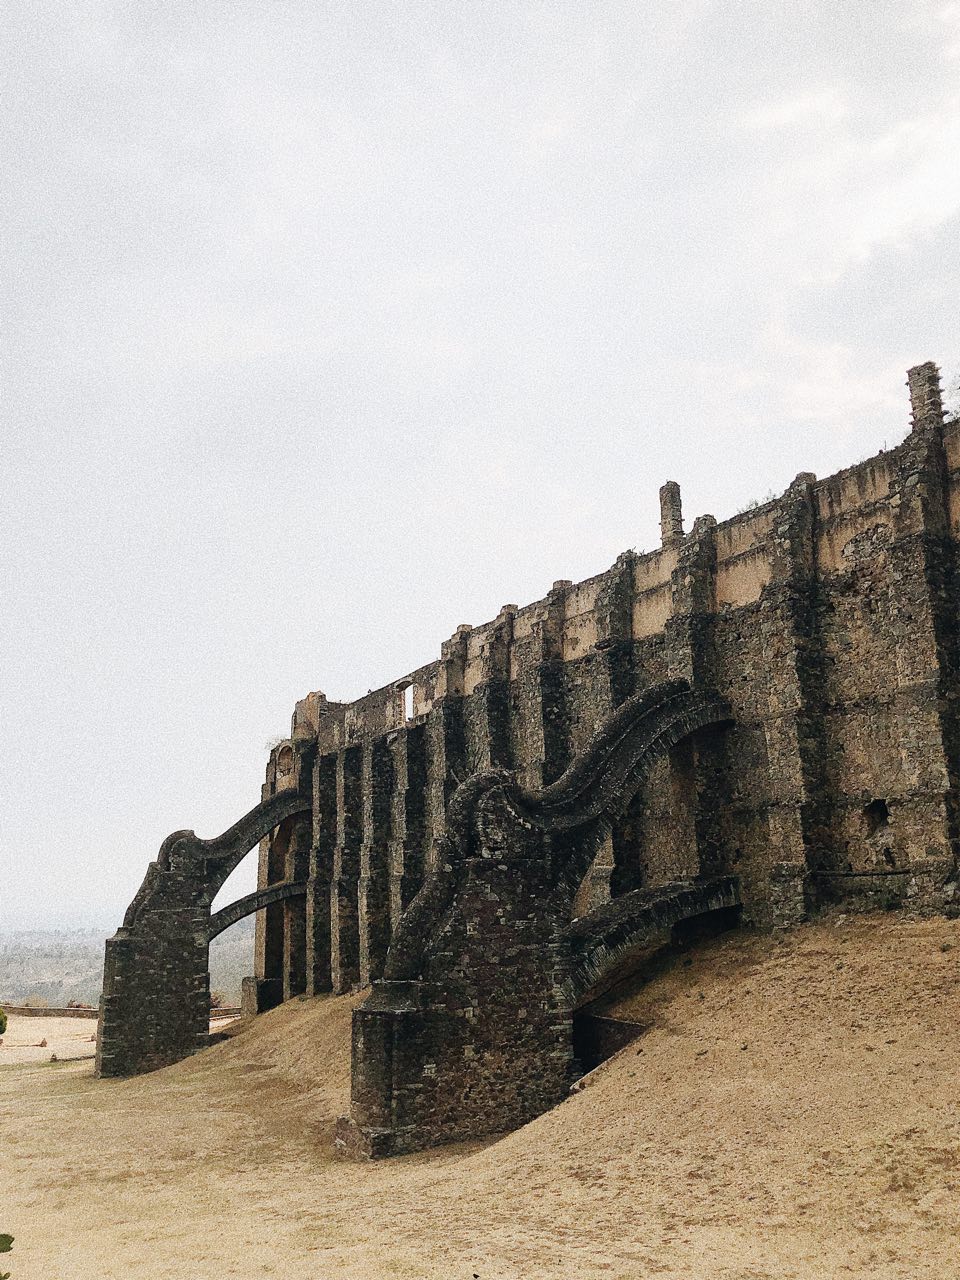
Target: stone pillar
(155, 1007)
(487, 707)
(613, 683)
(445, 766)
(693, 591)
(263, 990)
(270, 986)
(407, 824)
(385, 1036)
(374, 899)
(344, 930)
(926, 401)
(294, 909)
(445, 740)
(671, 514)
(793, 727)
(266, 990)
(614, 645)
(688, 636)
(539, 731)
(320, 877)
(922, 614)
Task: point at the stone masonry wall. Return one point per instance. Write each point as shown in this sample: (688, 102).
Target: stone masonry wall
(827, 620)
(480, 1045)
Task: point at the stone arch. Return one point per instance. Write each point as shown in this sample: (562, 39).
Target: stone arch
(449, 1045)
(246, 906)
(156, 982)
(603, 946)
(599, 786)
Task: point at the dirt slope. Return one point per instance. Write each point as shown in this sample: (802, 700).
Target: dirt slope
(793, 1111)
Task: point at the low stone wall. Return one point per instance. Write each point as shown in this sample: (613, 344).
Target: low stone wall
(31, 1011)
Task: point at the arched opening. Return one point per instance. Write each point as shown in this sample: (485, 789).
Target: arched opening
(269, 921)
(406, 696)
(654, 841)
(594, 888)
(650, 854)
(232, 952)
(231, 959)
(281, 928)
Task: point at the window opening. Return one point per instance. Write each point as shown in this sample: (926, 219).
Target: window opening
(876, 815)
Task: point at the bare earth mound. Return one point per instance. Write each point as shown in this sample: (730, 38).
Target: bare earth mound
(792, 1111)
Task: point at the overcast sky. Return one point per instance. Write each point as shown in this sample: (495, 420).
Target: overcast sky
(330, 326)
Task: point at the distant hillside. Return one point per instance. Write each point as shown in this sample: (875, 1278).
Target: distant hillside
(59, 965)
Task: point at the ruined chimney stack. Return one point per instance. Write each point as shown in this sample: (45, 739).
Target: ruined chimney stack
(671, 514)
(926, 402)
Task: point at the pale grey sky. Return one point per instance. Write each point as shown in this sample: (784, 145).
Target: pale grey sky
(329, 326)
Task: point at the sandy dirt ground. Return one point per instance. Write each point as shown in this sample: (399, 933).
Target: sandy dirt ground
(792, 1111)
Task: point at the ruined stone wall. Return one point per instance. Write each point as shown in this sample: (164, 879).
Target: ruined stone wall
(826, 618)
(481, 1036)
(155, 1007)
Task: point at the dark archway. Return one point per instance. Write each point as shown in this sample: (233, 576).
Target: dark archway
(632, 939)
(283, 971)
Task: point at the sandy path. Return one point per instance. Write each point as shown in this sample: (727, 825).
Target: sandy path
(70, 1039)
(66, 1037)
(793, 1111)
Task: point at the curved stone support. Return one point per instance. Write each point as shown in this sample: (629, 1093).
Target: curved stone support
(155, 1007)
(601, 942)
(470, 1032)
(491, 810)
(223, 919)
(223, 854)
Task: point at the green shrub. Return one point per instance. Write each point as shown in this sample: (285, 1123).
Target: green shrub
(3, 1022)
